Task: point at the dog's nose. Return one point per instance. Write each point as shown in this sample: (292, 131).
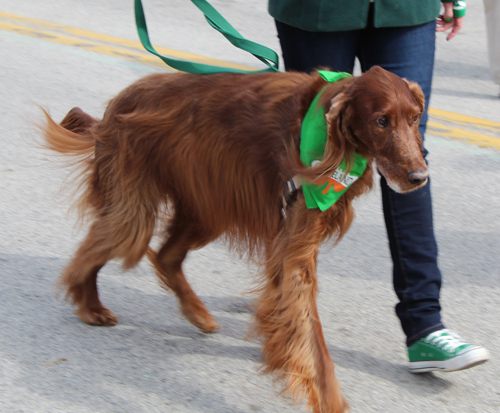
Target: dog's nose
(419, 176)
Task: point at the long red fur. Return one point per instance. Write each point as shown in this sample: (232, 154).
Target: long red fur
(215, 151)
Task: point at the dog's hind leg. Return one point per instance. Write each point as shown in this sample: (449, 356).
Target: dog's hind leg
(287, 317)
(184, 236)
(79, 279)
(108, 238)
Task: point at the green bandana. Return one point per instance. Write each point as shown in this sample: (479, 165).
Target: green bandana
(313, 138)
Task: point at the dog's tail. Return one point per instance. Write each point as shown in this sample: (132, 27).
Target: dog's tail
(74, 137)
(71, 136)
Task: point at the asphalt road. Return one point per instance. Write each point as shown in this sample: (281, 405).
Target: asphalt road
(56, 54)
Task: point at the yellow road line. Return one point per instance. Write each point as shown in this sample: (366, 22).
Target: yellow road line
(133, 51)
(463, 119)
(475, 138)
(83, 44)
(31, 30)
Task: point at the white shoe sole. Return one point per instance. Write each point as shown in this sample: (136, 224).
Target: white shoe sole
(471, 358)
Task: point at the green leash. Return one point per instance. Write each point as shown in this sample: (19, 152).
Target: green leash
(219, 23)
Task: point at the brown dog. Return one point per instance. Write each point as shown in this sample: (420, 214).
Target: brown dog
(216, 151)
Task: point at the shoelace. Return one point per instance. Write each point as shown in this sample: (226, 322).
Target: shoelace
(446, 340)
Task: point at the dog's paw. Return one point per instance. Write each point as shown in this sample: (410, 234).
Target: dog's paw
(97, 316)
(199, 316)
(205, 323)
(208, 326)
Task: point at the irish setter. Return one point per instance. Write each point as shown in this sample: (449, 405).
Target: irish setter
(208, 156)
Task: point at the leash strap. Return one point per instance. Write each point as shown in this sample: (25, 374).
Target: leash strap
(219, 23)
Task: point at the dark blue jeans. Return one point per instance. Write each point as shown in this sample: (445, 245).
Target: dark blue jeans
(409, 53)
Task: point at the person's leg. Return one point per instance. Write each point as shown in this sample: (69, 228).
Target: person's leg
(416, 275)
(492, 12)
(409, 53)
(305, 51)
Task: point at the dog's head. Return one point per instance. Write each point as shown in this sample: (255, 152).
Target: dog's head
(378, 114)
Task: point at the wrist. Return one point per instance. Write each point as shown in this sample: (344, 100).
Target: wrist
(459, 8)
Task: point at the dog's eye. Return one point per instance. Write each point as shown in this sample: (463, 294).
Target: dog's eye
(415, 119)
(382, 122)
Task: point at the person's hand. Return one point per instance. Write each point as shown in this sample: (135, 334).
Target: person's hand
(446, 21)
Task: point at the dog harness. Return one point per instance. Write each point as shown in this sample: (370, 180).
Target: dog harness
(313, 138)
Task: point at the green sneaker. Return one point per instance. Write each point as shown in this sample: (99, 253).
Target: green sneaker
(444, 351)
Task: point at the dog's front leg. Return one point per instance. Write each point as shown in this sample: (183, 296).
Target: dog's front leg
(287, 316)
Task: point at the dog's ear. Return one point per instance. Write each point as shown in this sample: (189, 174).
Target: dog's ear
(340, 141)
(336, 106)
(417, 93)
(339, 117)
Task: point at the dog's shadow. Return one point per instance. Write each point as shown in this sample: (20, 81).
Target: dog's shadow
(152, 338)
(233, 340)
(144, 353)
(184, 339)
(234, 328)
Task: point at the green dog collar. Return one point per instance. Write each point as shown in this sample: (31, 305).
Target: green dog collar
(313, 138)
